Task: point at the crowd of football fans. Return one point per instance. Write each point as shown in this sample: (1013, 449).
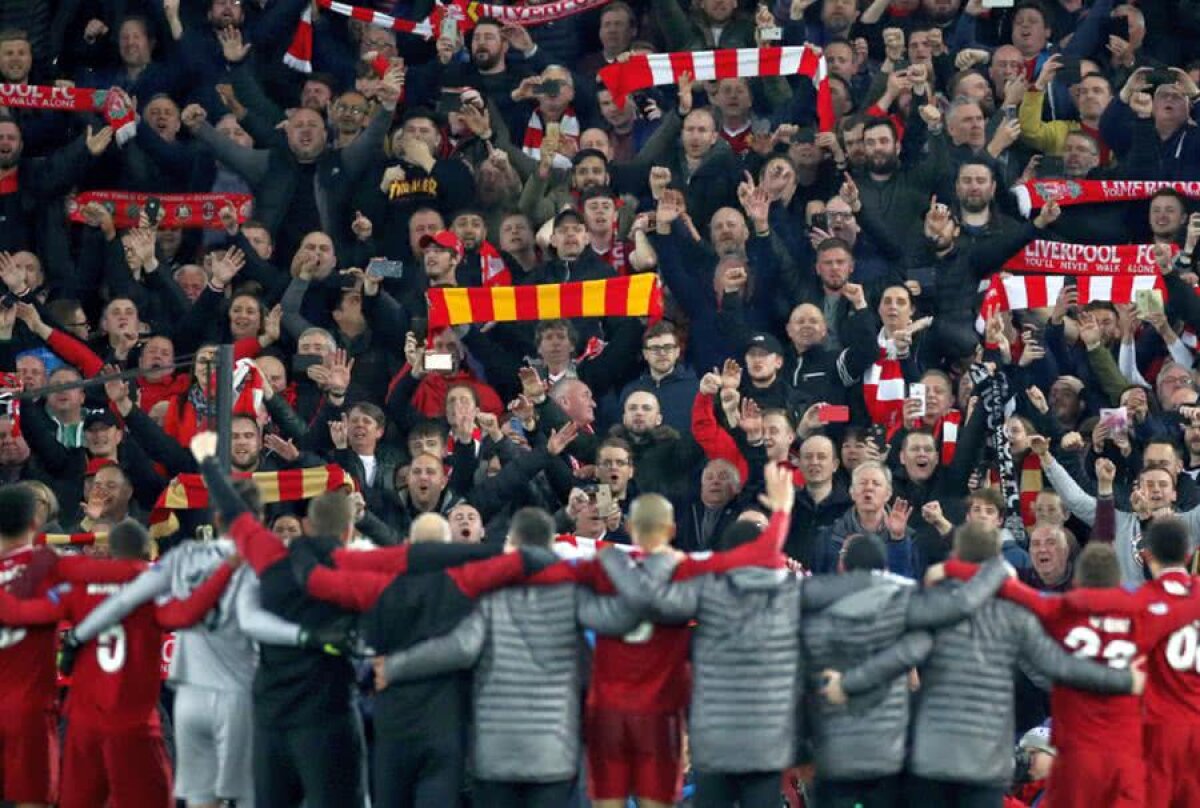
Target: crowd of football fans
(822, 286)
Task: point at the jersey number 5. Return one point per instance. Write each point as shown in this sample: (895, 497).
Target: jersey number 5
(110, 650)
(1085, 643)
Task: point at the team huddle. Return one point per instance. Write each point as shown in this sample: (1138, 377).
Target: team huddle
(897, 694)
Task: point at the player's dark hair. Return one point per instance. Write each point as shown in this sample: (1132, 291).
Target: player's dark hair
(737, 534)
(128, 539)
(532, 527)
(1167, 541)
(1097, 567)
(247, 489)
(989, 496)
(18, 509)
(976, 543)
(863, 552)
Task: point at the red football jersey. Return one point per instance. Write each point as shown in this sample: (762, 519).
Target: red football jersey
(116, 679)
(27, 673)
(1111, 626)
(647, 670)
(1173, 669)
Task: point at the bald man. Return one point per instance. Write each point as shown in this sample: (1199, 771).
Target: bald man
(639, 687)
(818, 365)
(429, 527)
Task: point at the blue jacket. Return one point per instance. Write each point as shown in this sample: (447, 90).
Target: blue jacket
(675, 393)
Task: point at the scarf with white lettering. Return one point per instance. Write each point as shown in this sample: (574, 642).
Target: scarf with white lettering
(992, 390)
(535, 131)
(465, 13)
(122, 118)
(1034, 195)
(883, 385)
(200, 210)
(657, 69)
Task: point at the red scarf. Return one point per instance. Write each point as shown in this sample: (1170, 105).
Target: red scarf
(947, 428)
(178, 210)
(883, 387)
(492, 269)
(1031, 483)
(657, 69)
(1034, 195)
(535, 131)
(465, 12)
(121, 118)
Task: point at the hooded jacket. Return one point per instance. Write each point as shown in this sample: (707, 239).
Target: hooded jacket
(865, 738)
(525, 646)
(747, 688)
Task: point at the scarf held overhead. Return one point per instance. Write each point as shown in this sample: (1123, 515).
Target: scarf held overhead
(188, 492)
(657, 69)
(632, 296)
(1034, 195)
(463, 12)
(178, 210)
(122, 118)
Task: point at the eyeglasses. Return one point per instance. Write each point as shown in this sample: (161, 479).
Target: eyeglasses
(351, 110)
(839, 215)
(613, 464)
(660, 349)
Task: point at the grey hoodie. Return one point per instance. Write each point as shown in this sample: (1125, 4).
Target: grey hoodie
(865, 738)
(746, 654)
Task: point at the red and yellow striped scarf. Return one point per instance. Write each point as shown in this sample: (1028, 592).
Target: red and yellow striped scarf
(188, 492)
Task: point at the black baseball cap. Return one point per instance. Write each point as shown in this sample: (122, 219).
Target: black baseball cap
(765, 341)
(99, 417)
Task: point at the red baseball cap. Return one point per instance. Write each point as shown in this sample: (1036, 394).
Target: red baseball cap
(445, 239)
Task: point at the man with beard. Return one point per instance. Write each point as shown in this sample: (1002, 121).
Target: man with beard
(482, 264)
(711, 24)
(970, 248)
(297, 185)
(666, 376)
(665, 459)
(418, 179)
(543, 197)
(29, 184)
(895, 194)
(875, 251)
(489, 70)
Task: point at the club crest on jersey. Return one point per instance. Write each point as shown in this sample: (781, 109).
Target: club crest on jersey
(1158, 609)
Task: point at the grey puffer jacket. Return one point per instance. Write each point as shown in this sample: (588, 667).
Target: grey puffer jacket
(964, 715)
(746, 654)
(525, 645)
(865, 738)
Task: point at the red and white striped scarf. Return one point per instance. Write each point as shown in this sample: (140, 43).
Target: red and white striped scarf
(1018, 292)
(883, 385)
(947, 429)
(1030, 484)
(657, 69)
(535, 130)
(464, 12)
(492, 269)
